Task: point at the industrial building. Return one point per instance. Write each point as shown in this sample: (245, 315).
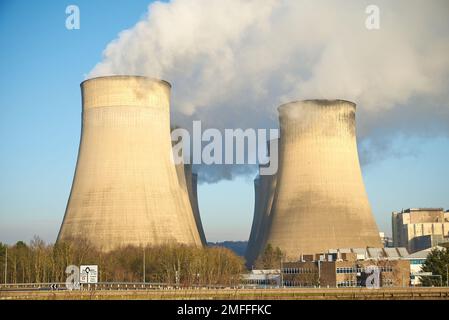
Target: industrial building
(348, 268)
(386, 241)
(262, 278)
(420, 228)
(417, 260)
(337, 268)
(126, 190)
(318, 200)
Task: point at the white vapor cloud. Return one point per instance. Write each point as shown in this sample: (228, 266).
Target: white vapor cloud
(233, 62)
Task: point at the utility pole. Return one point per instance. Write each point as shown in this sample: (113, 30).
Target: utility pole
(144, 265)
(282, 271)
(319, 273)
(6, 263)
(447, 275)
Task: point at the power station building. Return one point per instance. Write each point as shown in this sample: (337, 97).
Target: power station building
(318, 200)
(126, 189)
(350, 267)
(420, 228)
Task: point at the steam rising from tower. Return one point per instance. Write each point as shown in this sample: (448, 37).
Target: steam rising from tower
(319, 200)
(126, 189)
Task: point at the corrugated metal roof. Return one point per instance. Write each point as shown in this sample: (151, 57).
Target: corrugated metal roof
(375, 253)
(423, 253)
(359, 250)
(403, 251)
(392, 253)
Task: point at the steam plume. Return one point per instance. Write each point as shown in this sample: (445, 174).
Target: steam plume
(232, 62)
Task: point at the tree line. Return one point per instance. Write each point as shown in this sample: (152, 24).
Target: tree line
(38, 262)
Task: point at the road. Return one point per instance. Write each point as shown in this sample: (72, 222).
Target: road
(224, 294)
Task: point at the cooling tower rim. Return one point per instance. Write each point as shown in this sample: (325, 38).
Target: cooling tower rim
(128, 77)
(320, 102)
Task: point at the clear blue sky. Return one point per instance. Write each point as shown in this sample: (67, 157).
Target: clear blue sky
(41, 66)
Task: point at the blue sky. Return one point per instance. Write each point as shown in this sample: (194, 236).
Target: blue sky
(41, 66)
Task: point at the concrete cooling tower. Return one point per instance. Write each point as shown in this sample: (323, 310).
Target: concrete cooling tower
(264, 189)
(189, 183)
(319, 200)
(193, 194)
(126, 190)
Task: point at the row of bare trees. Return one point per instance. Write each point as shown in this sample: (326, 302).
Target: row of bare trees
(40, 262)
(270, 258)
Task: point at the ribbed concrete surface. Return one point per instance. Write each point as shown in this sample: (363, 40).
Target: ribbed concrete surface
(126, 190)
(264, 190)
(189, 181)
(196, 207)
(320, 200)
(255, 227)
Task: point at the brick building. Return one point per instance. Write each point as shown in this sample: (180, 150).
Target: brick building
(348, 268)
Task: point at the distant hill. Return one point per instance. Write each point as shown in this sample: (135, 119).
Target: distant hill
(239, 247)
